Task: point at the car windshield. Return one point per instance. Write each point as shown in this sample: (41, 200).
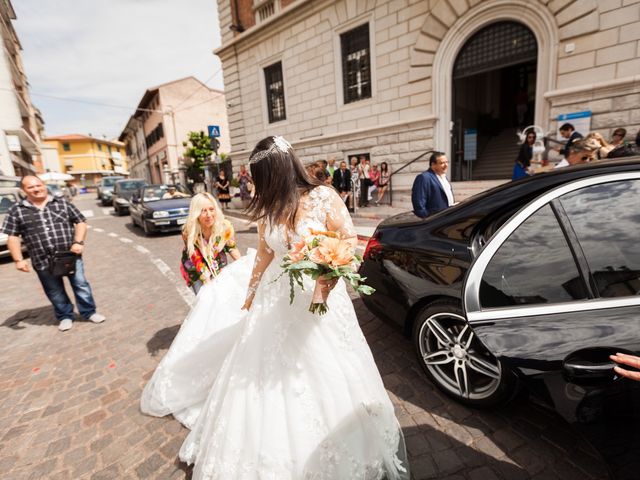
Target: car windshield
(151, 194)
(108, 182)
(6, 201)
(131, 185)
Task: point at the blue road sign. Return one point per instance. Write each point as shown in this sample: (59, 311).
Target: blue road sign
(214, 131)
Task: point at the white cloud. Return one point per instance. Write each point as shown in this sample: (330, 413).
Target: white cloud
(111, 51)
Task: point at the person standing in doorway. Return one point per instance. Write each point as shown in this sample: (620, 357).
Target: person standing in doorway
(48, 224)
(342, 182)
(431, 191)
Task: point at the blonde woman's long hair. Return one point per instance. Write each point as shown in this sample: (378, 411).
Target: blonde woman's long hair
(192, 231)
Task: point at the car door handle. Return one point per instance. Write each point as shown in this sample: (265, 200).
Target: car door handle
(577, 370)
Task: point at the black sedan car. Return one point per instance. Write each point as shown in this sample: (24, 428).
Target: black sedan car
(531, 284)
(153, 210)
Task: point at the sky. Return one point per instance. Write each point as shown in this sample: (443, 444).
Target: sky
(110, 52)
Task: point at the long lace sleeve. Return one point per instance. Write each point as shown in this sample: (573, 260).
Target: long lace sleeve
(264, 256)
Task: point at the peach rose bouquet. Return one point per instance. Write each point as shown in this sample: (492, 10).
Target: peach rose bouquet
(323, 254)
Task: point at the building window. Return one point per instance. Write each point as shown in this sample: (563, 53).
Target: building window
(275, 92)
(356, 64)
(264, 9)
(66, 147)
(99, 147)
(155, 135)
(109, 147)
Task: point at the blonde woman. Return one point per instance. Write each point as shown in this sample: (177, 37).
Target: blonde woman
(208, 237)
(184, 377)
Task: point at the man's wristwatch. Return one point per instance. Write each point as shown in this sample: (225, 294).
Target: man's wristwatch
(79, 242)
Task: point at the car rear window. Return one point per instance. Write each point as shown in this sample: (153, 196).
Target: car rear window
(6, 201)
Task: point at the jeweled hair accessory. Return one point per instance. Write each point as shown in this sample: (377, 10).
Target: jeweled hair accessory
(279, 143)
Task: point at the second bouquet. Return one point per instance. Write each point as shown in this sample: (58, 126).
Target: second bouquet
(323, 254)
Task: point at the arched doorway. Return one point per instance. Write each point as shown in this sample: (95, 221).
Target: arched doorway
(493, 95)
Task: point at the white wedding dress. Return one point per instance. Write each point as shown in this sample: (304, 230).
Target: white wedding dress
(290, 395)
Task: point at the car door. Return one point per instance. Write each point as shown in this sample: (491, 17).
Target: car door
(555, 292)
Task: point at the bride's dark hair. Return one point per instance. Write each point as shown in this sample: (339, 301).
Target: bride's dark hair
(280, 181)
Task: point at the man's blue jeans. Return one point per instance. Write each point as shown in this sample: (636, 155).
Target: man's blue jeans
(55, 291)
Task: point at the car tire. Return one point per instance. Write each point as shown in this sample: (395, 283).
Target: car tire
(456, 361)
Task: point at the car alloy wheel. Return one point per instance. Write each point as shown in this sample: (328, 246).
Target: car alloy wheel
(455, 359)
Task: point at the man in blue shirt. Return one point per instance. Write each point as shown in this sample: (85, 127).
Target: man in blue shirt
(431, 191)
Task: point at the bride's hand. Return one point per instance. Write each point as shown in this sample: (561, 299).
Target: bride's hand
(324, 286)
(247, 303)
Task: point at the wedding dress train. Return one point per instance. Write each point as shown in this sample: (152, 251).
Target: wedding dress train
(294, 396)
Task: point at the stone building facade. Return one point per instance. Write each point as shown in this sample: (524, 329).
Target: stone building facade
(437, 70)
(162, 121)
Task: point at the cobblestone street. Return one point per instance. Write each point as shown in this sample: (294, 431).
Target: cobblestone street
(69, 401)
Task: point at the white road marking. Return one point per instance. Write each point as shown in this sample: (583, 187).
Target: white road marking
(87, 213)
(141, 249)
(99, 230)
(185, 292)
(107, 211)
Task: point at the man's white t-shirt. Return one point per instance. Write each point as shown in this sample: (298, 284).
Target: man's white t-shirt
(447, 188)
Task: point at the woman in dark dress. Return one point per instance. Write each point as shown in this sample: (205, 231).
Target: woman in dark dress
(222, 187)
(523, 161)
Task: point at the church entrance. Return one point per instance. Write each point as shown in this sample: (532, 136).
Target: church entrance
(494, 91)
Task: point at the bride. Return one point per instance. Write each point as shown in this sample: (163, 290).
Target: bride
(297, 396)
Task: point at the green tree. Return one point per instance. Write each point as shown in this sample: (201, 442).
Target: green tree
(199, 151)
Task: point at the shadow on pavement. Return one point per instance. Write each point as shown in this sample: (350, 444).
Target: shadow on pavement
(34, 316)
(162, 339)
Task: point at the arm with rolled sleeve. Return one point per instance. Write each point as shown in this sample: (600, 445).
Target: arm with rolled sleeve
(80, 228)
(419, 197)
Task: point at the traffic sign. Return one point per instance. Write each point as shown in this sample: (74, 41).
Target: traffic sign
(214, 131)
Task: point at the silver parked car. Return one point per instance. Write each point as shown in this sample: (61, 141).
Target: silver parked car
(8, 197)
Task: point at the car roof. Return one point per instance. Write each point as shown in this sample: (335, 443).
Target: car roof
(514, 193)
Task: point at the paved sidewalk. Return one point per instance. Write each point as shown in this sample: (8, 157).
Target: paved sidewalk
(69, 401)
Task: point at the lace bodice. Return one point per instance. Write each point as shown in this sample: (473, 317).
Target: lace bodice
(321, 209)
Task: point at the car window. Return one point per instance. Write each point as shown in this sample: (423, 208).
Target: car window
(153, 194)
(130, 185)
(606, 220)
(534, 265)
(6, 201)
(109, 182)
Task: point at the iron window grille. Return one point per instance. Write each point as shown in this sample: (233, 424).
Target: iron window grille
(356, 64)
(496, 46)
(275, 92)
